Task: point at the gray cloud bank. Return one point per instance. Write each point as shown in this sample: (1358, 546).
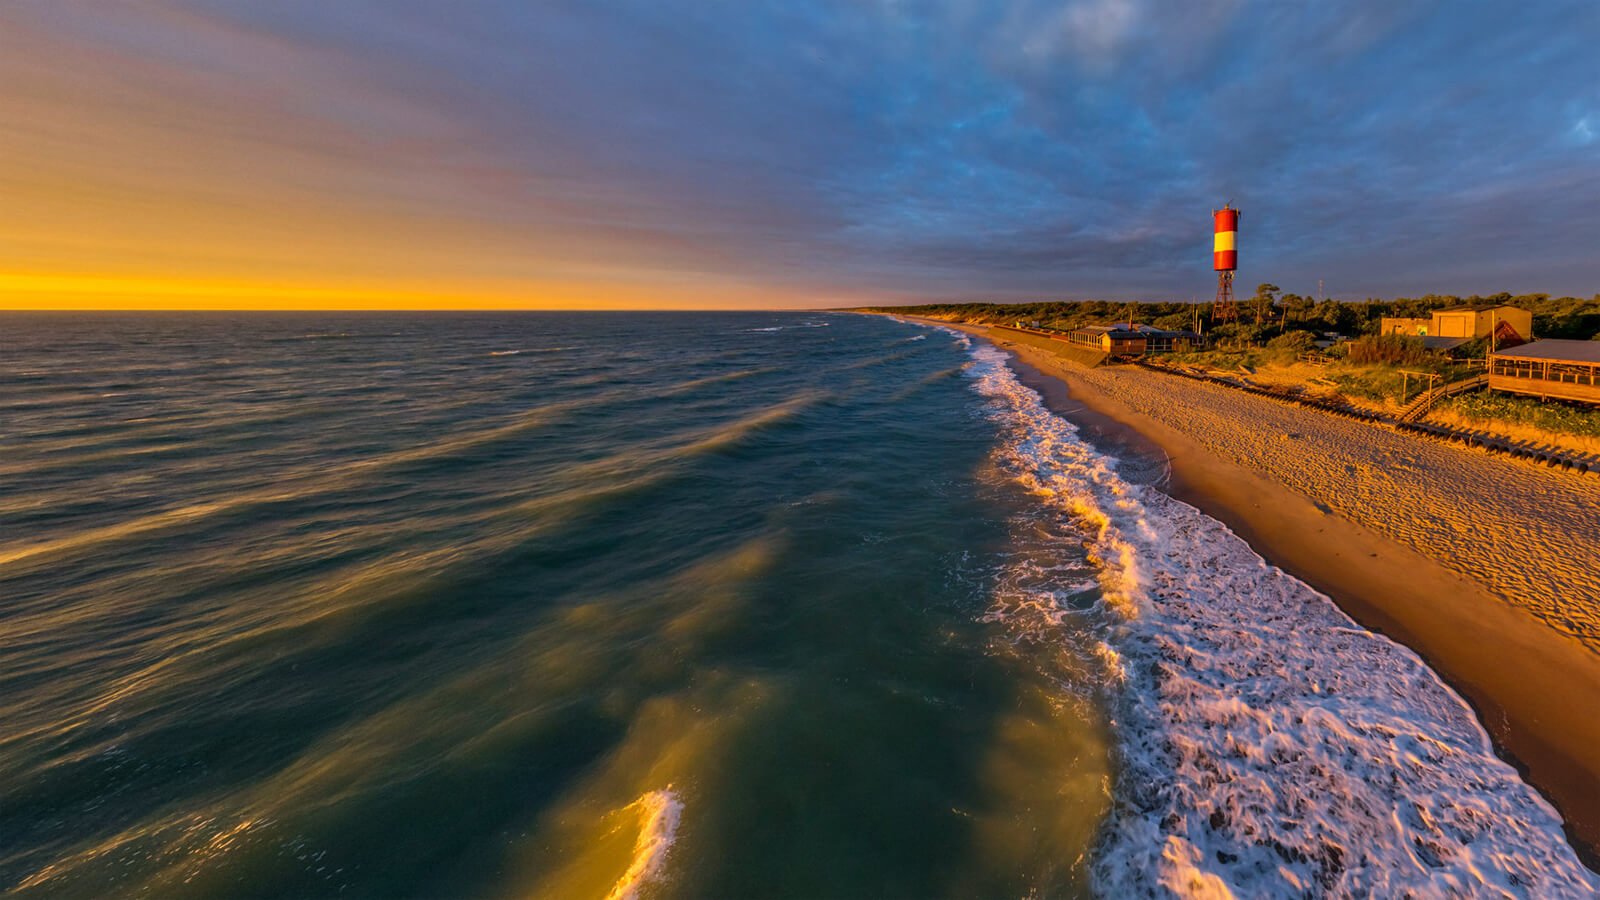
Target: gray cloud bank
(949, 148)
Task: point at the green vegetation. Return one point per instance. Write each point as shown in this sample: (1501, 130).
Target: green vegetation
(1554, 416)
(1054, 315)
(1296, 341)
(1270, 313)
(1277, 330)
(1246, 360)
(1384, 382)
(1264, 302)
(1377, 380)
(1388, 349)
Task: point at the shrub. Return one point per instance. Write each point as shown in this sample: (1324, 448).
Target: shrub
(1370, 383)
(1178, 321)
(1391, 349)
(1235, 334)
(1552, 416)
(1473, 349)
(1297, 341)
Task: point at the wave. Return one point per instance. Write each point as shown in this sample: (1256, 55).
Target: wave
(1268, 744)
(963, 340)
(327, 336)
(343, 475)
(684, 387)
(298, 486)
(776, 328)
(528, 350)
(726, 436)
(659, 814)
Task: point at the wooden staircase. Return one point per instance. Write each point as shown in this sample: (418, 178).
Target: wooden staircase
(1419, 407)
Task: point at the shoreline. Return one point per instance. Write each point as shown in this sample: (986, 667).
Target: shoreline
(1526, 682)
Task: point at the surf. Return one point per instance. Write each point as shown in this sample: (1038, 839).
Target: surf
(1267, 744)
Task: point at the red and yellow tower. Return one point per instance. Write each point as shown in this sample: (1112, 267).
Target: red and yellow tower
(1225, 258)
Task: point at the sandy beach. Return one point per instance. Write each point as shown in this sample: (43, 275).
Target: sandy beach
(1481, 564)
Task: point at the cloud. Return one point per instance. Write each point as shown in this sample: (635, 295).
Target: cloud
(834, 149)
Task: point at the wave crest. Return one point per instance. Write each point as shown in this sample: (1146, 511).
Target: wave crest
(659, 813)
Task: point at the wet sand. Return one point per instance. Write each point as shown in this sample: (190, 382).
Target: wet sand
(1483, 566)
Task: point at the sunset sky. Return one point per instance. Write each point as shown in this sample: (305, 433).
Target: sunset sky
(640, 153)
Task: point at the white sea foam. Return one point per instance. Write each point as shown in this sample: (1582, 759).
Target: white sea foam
(1269, 746)
(659, 813)
(786, 327)
(528, 350)
(962, 339)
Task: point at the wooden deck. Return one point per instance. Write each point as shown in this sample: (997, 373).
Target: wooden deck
(1559, 387)
(1546, 378)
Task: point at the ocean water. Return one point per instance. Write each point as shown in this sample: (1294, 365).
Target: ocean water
(638, 605)
(543, 605)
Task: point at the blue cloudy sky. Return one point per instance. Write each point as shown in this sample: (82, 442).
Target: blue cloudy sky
(607, 152)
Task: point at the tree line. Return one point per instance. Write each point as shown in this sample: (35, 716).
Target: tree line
(1270, 312)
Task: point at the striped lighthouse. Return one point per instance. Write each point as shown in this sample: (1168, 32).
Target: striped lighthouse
(1225, 258)
(1224, 243)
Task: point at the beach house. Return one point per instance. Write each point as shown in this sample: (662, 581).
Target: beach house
(1127, 339)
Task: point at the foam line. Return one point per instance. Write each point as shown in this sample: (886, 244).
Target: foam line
(1269, 746)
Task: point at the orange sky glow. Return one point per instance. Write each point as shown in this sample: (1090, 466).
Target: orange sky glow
(234, 170)
(59, 291)
(378, 154)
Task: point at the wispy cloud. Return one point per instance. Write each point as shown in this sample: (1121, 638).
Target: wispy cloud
(788, 152)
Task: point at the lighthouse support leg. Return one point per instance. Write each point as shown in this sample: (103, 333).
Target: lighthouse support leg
(1225, 309)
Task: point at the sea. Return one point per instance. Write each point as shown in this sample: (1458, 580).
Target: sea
(648, 605)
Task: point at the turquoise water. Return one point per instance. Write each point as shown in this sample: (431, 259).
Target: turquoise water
(550, 604)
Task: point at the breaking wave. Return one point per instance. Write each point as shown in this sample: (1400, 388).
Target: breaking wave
(527, 350)
(775, 328)
(1269, 746)
(659, 813)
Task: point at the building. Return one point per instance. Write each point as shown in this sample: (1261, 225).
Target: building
(1117, 340)
(1551, 369)
(1396, 325)
(1125, 339)
(1511, 325)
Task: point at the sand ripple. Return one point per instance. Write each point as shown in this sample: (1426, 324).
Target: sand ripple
(1530, 534)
